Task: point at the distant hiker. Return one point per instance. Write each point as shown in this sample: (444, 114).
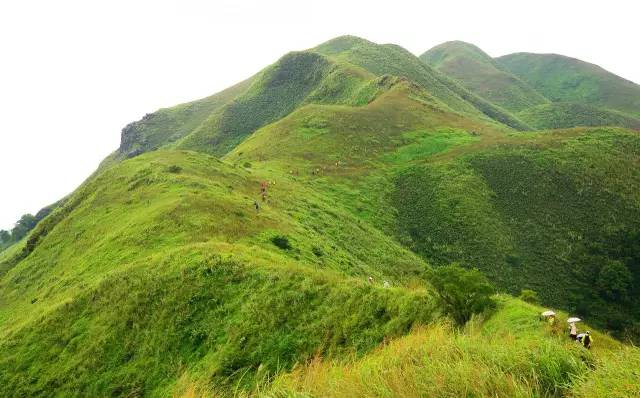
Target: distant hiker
(573, 331)
(257, 205)
(585, 339)
(371, 280)
(386, 284)
(263, 187)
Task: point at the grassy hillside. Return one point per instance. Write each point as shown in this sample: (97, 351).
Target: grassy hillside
(394, 60)
(168, 125)
(161, 265)
(564, 115)
(564, 79)
(481, 75)
(536, 212)
(439, 361)
(167, 273)
(343, 71)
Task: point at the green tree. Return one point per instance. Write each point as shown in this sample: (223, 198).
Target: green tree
(614, 281)
(25, 224)
(5, 236)
(530, 296)
(462, 292)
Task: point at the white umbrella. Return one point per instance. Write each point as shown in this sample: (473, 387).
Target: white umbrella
(573, 319)
(548, 313)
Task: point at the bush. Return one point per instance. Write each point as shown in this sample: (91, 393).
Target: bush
(530, 296)
(282, 242)
(317, 251)
(462, 292)
(174, 169)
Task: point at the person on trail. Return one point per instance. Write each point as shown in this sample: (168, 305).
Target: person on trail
(585, 339)
(371, 280)
(257, 205)
(573, 331)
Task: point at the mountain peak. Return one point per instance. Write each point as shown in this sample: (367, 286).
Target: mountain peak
(456, 48)
(342, 43)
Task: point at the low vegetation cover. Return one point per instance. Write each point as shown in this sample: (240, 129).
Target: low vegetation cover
(295, 235)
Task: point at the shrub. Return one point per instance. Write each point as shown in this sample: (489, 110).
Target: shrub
(530, 296)
(247, 165)
(462, 292)
(282, 242)
(317, 251)
(174, 169)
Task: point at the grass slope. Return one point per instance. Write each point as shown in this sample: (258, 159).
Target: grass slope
(159, 273)
(169, 125)
(565, 115)
(564, 79)
(536, 212)
(511, 354)
(161, 265)
(481, 75)
(395, 60)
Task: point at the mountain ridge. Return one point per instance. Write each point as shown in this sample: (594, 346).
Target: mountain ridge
(289, 227)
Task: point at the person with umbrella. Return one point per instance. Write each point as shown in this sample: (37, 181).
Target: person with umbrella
(573, 331)
(550, 316)
(585, 339)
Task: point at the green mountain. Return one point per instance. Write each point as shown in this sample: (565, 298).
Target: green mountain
(567, 114)
(564, 79)
(482, 75)
(542, 91)
(282, 238)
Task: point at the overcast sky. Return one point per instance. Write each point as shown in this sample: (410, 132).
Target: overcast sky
(73, 73)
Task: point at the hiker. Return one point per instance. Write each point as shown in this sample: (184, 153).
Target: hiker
(573, 332)
(263, 187)
(386, 284)
(257, 205)
(585, 339)
(371, 280)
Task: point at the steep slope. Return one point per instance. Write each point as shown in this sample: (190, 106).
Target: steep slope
(161, 265)
(169, 125)
(553, 212)
(395, 60)
(344, 71)
(565, 115)
(439, 361)
(564, 79)
(481, 75)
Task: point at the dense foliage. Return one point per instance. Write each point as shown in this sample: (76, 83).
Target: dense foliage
(462, 292)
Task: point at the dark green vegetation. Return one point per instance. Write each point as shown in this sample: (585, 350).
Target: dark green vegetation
(462, 293)
(160, 276)
(530, 214)
(24, 225)
(564, 115)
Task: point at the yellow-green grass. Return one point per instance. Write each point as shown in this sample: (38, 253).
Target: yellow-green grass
(512, 354)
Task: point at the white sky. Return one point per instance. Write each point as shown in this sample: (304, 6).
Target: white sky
(73, 73)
